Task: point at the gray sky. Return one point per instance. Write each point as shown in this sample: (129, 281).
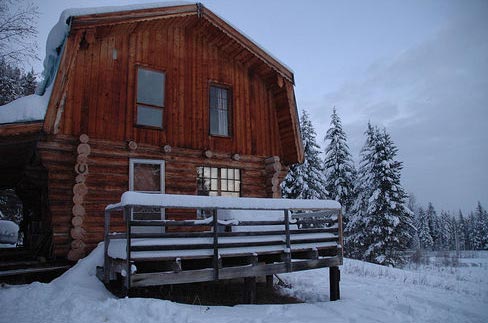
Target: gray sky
(418, 68)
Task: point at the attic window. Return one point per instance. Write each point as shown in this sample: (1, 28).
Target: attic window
(220, 105)
(150, 97)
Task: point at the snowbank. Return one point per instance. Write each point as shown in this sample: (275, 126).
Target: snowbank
(369, 293)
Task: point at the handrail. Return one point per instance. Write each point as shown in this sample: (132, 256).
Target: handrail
(328, 213)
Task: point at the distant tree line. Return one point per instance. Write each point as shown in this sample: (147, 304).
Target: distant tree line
(446, 231)
(379, 222)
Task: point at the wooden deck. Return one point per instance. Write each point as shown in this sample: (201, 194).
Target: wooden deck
(233, 241)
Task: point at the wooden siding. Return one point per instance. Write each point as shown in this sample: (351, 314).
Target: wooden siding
(100, 97)
(108, 178)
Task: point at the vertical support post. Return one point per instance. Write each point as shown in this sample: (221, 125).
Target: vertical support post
(287, 241)
(341, 236)
(216, 260)
(106, 261)
(128, 219)
(269, 281)
(334, 278)
(250, 290)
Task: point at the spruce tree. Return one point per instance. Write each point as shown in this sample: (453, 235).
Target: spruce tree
(355, 230)
(338, 165)
(381, 223)
(306, 180)
(462, 232)
(480, 228)
(391, 221)
(28, 83)
(423, 231)
(434, 226)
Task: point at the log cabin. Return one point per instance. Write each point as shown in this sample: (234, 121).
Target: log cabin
(166, 99)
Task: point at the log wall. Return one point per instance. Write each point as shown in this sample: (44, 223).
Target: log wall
(108, 177)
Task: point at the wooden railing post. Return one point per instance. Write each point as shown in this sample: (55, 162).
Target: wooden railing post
(287, 241)
(334, 278)
(128, 218)
(106, 260)
(215, 244)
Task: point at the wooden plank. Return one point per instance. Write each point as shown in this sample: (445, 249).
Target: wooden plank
(26, 271)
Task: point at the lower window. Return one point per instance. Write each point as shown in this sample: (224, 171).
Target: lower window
(213, 181)
(147, 176)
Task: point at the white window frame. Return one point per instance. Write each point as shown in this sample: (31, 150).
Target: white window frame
(161, 163)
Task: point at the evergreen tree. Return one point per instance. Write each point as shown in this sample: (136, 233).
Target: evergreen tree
(14, 83)
(10, 87)
(423, 230)
(355, 230)
(462, 232)
(480, 228)
(28, 83)
(306, 180)
(447, 231)
(434, 226)
(338, 165)
(381, 221)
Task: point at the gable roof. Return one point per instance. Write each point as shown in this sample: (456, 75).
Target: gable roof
(218, 32)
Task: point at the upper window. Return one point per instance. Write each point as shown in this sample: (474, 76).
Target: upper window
(220, 105)
(150, 97)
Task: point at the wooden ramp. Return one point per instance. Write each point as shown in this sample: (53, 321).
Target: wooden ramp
(243, 238)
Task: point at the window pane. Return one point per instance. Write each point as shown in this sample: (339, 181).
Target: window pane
(213, 185)
(231, 174)
(150, 87)
(147, 116)
(147, 177)
(223, 184)
(219, 111)
(214, 172)
(206, 172)
(231, 185)
(237, 174)
(237, 187)
(223, 172)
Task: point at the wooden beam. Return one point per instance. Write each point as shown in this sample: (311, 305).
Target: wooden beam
(334, 278)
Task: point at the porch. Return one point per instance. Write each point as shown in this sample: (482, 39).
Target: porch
(233, 238)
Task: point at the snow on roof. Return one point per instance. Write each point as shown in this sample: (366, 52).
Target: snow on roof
(28, 108)
(195, 201)
(34, 107)
(58, 34)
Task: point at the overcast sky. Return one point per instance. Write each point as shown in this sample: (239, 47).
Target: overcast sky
(418, 68)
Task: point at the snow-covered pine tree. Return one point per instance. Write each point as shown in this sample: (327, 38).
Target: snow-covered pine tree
(480, 228)
(355, 230)
(338, 165)
(10, 87)
(447, 231)
(306, 180)
(390, 221)
(463, 234)
(412, 206)
(423, 231)
(28, 82)
(434, 226)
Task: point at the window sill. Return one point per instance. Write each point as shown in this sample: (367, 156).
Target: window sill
(220, 136)
(140, 126)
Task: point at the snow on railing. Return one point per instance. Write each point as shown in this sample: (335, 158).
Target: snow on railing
(232, 227)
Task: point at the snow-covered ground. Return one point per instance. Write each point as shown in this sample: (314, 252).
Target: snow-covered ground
(369, 293)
